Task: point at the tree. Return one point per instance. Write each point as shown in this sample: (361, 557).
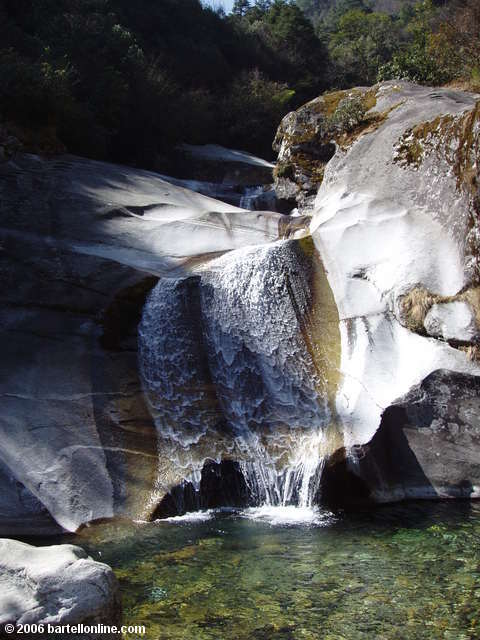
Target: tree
(455, 45)
(416, 60)
(362, 43)
(240, 7)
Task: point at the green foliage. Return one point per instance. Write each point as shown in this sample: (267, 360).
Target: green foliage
(292, 52)
(415, 61)
(361, 44)
(252, 104)
(127, 81)
(240, 7)
(422, 40)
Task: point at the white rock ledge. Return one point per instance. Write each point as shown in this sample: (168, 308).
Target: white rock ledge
(452, 321)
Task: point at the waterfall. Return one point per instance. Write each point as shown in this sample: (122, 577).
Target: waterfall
(226, 364)
(253, 198)
(230, 193)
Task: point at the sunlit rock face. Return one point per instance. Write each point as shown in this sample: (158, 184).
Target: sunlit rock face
(396, 214)
(159, 345)
(394, 237)
(452, 321)
(82, 245)
(56, 585)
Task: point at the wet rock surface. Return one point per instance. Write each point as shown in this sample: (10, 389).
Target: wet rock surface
(312, 327)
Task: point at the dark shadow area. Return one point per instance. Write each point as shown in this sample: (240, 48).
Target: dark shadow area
(121, 317)
(386, 465)
(221, 485)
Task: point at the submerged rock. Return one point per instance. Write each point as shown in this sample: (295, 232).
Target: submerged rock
(427, 446)
(55, 585)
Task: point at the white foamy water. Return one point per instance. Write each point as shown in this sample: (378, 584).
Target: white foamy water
(284, 516)
(191, 518)
(228, 373)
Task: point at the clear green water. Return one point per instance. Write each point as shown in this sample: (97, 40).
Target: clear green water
(409, 572)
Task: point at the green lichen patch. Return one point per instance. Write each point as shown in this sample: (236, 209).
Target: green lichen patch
(456, 140)
(466, 131)
(330, 102)
(309, 166)
(414, 307)
(284, 170)
(420, 140)
(454, 137)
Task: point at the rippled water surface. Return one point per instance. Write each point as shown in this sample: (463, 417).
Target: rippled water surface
(410, 572)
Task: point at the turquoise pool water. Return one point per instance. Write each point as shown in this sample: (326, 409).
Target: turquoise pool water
(404, 572)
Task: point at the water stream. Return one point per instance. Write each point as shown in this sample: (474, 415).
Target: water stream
(252, 198)
(406, 572)
(227, 364)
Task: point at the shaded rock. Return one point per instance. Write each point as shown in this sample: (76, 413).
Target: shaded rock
(427, 446)
(452, 321)
(222, 484)
(55, 585)
(213, 163)
(20, 511)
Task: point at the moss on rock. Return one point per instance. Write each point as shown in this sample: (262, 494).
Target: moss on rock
(308, 138)
(455, 139)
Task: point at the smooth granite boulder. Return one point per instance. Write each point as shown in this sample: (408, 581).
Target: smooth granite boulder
(452, 321)
(395, 222)
(57, 585)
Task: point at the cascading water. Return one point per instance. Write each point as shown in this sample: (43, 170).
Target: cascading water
(250, 197)
(227, 363)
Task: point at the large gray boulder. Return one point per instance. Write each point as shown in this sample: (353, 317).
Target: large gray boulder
(395, 224)
(320, 333)
(82, 244)
(427, 446)
(56, 585)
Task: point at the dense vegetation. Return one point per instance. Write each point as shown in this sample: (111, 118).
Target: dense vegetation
(129, 80)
